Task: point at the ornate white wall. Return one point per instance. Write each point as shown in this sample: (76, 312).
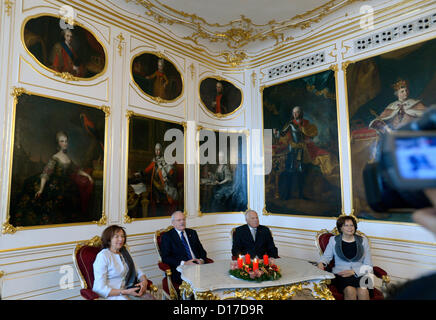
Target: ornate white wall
(31, 259)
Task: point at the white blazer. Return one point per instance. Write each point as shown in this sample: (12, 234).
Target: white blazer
(110, 271)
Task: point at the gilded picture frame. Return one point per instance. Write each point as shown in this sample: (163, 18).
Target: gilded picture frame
(155, 175)
(300, 119)
(219, 97)
(156, 76)
(70, 51)
(57, 172)
(378, 88)
(223, 176)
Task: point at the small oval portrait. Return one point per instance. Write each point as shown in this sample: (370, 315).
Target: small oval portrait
(220, 96)
(157, 77)
(64, 48)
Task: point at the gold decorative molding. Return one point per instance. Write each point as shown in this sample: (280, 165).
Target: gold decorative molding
(386, 279)
(93, 242)
(127, 219)
(192, 70)
(234, 58)
(120, 44)
(103, 220)
(254, 78)
(242, 31)
(106, 109)
(265, 212)
(334, 68)
(66, 76)
(8, 7)
(322, 291)
(2, 273)
(346, 50)
(7, 228)
(284, 292)
(345, 65)
(16, 92)
(185, 289)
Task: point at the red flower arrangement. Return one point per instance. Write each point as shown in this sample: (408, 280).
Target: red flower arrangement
(255, 271)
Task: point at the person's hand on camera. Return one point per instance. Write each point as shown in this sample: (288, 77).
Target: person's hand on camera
(427, 216)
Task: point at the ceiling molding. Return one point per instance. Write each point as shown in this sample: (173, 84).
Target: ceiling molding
(238, 33)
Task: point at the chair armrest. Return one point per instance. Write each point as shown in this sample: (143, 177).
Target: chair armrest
(379, 272)
(88, 294)
(152, 288)
(163, 266)
(382, 274)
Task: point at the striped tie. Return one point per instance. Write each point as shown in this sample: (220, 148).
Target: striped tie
(185, 244)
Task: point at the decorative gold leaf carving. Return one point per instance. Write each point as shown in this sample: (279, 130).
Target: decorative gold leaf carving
(242, 31)
(66, 76)
(8, 228)
(234, 58)
(8, 7)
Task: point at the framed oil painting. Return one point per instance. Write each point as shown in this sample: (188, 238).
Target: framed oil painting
(223, 171)
(155, 186)
(220, 97)
(384, 93)
(301, 116)
(58, 162)
(64, 48)
(157, 77)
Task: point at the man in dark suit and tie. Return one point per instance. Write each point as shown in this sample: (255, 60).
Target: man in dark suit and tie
(253, 238)
(181, 246)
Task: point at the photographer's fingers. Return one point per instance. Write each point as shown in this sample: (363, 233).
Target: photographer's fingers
(426, 218)
(431, 195)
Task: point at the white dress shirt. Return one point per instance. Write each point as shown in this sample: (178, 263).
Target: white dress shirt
(110, 271)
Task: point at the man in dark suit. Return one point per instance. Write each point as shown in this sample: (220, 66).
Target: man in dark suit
(175, 251)
(253, 238)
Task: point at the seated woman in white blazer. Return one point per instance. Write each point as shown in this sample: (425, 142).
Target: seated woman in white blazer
(352, 260)
(115, 272)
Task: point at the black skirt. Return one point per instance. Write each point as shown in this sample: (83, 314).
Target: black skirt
(342, 282)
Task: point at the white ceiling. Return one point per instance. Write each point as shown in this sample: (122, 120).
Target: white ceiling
(238, 28)
(258, 11)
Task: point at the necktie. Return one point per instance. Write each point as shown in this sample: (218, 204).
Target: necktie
(253, 233)
(185, 244)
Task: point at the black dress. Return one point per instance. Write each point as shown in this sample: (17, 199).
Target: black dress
(349, 249)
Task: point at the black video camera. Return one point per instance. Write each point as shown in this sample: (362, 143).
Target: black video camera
(405, 165)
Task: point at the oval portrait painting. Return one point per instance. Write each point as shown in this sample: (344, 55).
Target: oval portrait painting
(64, 48)
(157, 77)
(219, 96)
